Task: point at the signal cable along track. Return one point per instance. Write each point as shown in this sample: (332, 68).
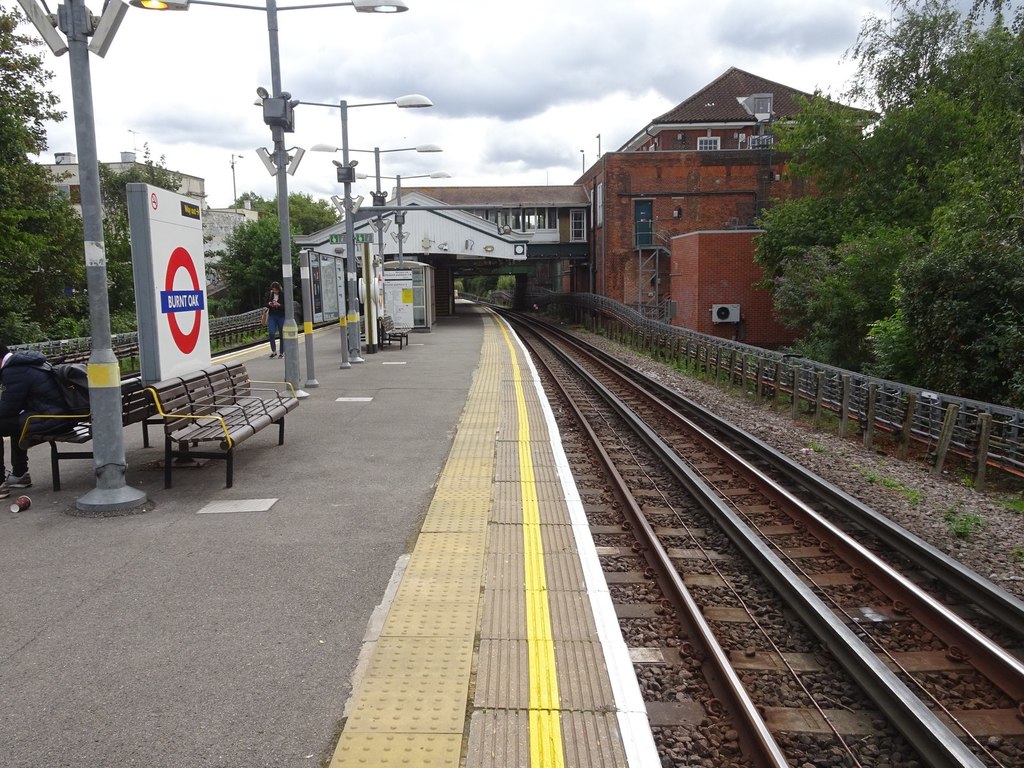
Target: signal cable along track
(954, 694)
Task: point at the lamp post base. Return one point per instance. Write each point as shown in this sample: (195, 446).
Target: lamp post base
(101, 500)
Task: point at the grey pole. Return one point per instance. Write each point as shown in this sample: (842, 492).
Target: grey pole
(234, 187)
(112, 492)
(400, 216)
(306, 276)
(350, 249)
(290, 340)
(342, 311)
(372, 342)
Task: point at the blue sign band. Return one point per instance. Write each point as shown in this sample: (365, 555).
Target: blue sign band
(182, 301)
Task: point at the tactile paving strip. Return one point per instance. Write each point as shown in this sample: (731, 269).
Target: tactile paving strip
(410, 708)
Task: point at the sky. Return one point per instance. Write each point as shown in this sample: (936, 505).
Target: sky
(526, 92)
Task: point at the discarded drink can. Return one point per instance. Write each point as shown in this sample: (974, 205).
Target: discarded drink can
(21, 503)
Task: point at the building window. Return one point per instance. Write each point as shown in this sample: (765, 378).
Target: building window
(577, 225)
(763, 104)
(708, 143)
(599, 206)
(529, 219)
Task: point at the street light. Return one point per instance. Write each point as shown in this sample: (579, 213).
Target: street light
(346, 175)
(378, 200)
(400, 213)
(234, 189)
(112, 493)
(278, 113)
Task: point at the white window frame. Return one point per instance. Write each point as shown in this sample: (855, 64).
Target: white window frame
(709, 143)
(577, 225)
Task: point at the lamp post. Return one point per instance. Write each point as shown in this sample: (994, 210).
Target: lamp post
(278, 113)
(234, 189)
(112, 493)
(378, 200)
(399, 211)
(346, 175)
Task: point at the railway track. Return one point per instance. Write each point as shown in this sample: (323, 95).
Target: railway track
(773, 619)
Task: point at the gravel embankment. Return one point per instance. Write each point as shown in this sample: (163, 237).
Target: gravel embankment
(905, 491)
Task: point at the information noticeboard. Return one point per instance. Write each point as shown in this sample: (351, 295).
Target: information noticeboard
(170, 282)
(398, 296)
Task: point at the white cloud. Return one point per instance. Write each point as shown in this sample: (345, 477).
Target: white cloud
(519, 89)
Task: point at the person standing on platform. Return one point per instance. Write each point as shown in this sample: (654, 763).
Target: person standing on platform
(275, 319)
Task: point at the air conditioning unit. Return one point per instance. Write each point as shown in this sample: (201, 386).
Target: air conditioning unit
(725, 313)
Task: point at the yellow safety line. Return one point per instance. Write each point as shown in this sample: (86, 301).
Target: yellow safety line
(545, 729)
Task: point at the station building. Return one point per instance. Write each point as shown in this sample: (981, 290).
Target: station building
(666, 224)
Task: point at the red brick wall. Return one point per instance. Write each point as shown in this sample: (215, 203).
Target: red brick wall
(718, 268)
(711, 190)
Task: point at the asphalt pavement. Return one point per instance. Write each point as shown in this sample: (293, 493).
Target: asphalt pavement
(221, 626)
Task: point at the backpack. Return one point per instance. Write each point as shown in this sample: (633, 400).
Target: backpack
(73, 380)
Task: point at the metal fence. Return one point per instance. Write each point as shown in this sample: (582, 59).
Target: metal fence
(984, 436)
(126, 345)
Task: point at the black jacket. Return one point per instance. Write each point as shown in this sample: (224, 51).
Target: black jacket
(28, 389)
(276, 311)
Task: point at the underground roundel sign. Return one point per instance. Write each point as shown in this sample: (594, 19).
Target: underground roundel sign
(169, 270)
(182, 296)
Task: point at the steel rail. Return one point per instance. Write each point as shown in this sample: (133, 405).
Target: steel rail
(725, 682)
(923, 729)
(989, 597)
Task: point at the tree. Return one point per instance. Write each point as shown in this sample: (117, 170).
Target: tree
(305, 215)
(43, 263)
(906, 264)
(251, 261)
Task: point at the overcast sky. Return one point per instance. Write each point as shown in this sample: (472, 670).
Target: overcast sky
(521, 89)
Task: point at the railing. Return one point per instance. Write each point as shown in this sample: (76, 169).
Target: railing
(984, 435)
(126, 345)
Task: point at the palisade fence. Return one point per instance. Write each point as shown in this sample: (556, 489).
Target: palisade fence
(983, 435)
(223, 330)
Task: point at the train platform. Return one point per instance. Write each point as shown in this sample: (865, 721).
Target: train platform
(408, 581)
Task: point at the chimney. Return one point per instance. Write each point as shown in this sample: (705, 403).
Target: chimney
(64, 158)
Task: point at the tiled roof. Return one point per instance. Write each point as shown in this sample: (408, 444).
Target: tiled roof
(556, 196)
(718, 101)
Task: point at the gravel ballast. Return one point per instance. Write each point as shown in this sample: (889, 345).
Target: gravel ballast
(905, 491)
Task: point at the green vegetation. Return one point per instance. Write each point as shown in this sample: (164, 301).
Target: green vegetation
(912, 495)
(1014, 505)
(910, 263)
(963, 524)
(43, 275)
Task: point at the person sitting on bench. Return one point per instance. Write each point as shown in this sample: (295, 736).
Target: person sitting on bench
(26, 388)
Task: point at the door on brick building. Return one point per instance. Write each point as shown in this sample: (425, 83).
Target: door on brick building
(643, 223)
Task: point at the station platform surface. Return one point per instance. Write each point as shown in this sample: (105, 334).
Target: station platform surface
(409, 580)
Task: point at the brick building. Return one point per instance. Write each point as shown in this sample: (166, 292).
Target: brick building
(674, 209)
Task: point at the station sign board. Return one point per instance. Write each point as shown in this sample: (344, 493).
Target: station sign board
(170, 282)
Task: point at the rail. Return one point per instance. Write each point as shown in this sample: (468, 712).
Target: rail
(985, 436)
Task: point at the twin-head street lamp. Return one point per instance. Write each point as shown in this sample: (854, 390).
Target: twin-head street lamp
(400, 212)
(346, 176)
(278, 113)
(378, 200)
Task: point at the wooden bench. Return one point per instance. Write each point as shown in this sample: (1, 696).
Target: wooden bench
(137, 406)
(217, 407)
(389, 333)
